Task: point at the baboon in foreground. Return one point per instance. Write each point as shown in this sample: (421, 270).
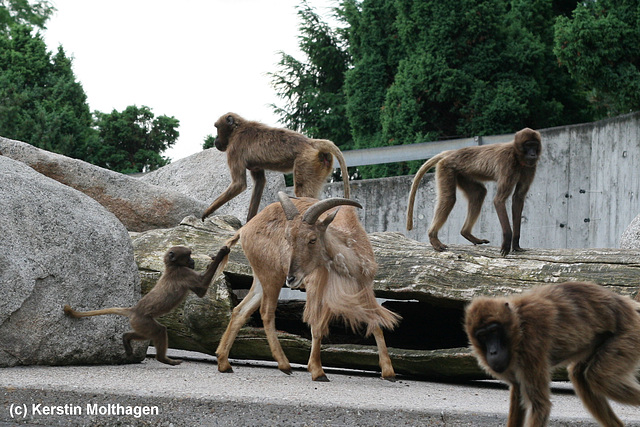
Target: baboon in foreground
(257, 147)
(512, 165)
(172, 287)
(519, 339)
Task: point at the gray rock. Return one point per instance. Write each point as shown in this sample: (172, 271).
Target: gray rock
(205, 175)
(138, 205)
(59, 246)
(630, 239)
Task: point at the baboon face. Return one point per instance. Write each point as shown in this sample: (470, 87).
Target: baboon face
(225, 126)
(528, 147)
(487, 324)
(494, 344)
(179, 256)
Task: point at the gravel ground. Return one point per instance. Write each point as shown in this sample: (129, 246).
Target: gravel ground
(257, 394)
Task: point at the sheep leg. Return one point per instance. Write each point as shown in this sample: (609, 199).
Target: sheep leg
(268, 314)
(315, 363)
(383, 354)
(239, 317)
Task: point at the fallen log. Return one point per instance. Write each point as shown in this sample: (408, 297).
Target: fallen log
(428, 288)
(414, 269)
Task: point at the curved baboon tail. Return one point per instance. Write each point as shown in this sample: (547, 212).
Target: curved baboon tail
(114, 310)
(416, 182)
(326, 145)
(344, 170)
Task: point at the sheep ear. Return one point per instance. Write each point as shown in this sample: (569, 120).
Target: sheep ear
(290, 210)
(330, 218)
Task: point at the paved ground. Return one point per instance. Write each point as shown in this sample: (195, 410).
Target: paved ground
(257, 394)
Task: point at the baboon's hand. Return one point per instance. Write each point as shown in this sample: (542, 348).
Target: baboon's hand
(221, 253)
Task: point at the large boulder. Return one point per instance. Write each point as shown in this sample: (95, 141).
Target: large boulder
(205, 175)
(138, 205)
(630, 239)
(60, 246)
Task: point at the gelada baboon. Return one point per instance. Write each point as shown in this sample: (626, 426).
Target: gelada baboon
(256, 147)
(520, 339)
(172, 287)
(512, 165)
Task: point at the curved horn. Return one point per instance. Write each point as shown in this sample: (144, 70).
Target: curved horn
(313, 213)
(290, 210)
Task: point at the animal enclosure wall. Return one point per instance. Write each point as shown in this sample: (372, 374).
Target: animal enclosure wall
(585, 193)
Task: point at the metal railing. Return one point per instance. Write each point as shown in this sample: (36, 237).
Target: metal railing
(420, 151)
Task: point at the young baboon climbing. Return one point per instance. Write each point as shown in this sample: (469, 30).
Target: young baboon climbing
(512, 165)
(172, 287)
(257, 147)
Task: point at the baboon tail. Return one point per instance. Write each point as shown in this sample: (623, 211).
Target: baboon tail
(114, 310)
(344, 170)
(326, 145)
(416, 182)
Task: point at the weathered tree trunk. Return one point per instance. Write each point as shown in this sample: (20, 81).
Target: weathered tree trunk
(413, 268)
(429, 289)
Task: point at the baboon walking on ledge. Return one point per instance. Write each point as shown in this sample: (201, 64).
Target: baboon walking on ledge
(512, 165)
(257, 147)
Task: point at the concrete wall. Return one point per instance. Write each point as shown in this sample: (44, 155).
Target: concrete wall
(584, 195)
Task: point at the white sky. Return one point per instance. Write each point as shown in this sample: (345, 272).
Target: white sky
(194, 59)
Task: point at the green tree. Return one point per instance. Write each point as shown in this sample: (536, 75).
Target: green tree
(132, 140)
(209, 142)
(312, 90)
(423, 70)
(23, 12)
(376, 51)
(375, 47)
(41, 102)
(476, 68)
(600, 46)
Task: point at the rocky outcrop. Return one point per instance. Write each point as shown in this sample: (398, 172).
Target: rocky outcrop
(205, 175)
(60, 246)
(429, 289)
(630, 239)
(138, 205)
